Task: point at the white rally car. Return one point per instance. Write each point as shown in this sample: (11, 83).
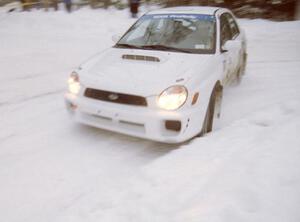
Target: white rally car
(163, 79)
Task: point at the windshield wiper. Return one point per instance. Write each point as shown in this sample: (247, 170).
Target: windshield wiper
(128, 46)
(165, 48)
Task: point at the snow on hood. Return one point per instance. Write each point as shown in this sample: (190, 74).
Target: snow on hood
(109, 71)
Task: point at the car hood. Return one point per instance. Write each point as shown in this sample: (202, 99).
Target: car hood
(139, 72)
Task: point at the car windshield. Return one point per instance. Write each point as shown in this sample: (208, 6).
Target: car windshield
(190, 33)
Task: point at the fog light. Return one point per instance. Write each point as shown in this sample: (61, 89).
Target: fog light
(173, 125)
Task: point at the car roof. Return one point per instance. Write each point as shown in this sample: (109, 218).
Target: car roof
(186, 10)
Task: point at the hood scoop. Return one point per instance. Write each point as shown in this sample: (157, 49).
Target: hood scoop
(141, 58)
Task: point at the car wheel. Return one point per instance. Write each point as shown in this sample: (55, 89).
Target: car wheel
(239, 75)
(243, 66)
(214, 105)
(241, 70)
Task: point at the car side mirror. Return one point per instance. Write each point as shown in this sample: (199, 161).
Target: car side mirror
(115, 38)
(231, 45)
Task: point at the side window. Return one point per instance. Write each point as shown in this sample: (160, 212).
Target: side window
(233, 26)
(225, 30)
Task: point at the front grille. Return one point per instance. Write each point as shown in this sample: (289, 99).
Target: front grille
(115, 97)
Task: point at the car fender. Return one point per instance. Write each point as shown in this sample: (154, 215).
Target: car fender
(205, 88)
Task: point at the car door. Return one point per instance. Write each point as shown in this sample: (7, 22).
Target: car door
(229, 31)
(225, 35)
(235, 36)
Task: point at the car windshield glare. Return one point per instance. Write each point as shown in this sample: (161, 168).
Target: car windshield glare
(191, 33)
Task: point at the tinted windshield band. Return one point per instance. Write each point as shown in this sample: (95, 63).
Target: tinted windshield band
(181, 16)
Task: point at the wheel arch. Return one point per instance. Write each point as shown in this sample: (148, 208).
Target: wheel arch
(218, 87)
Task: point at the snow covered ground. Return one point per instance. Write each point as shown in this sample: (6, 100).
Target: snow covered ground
(52, 169)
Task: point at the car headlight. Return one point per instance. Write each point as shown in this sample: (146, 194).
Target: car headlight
(74, 84)
(173, 98)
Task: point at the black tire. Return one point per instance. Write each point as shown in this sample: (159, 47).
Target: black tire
(210, 114)
(241, 71)
(209, 117)
(243, 66)
(239, 75)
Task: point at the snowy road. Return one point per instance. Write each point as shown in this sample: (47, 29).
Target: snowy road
(52, 169)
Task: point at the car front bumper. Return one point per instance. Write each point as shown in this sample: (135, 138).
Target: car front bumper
(142, 122)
